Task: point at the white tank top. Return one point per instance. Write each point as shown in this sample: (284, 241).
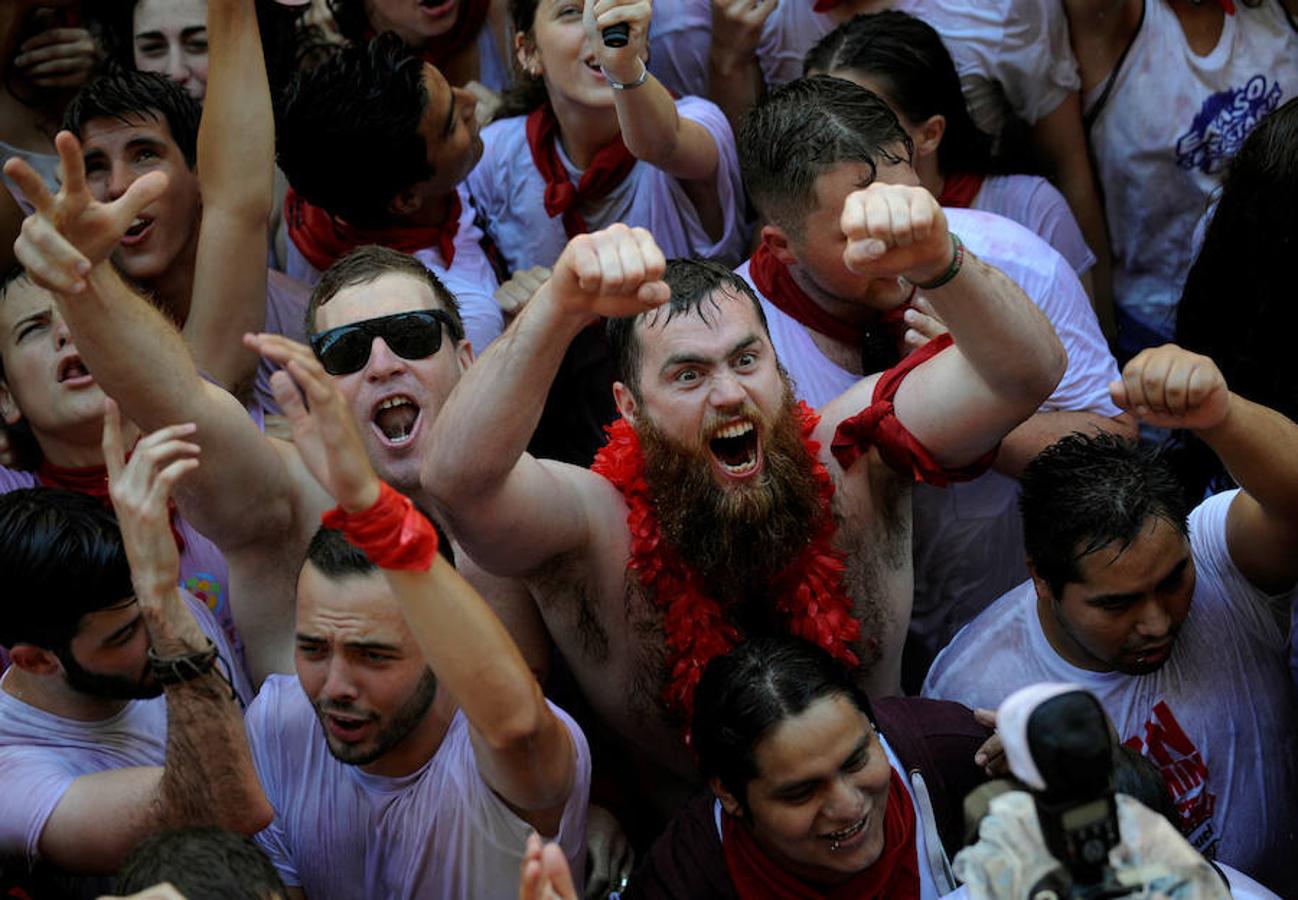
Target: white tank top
(1170, 123)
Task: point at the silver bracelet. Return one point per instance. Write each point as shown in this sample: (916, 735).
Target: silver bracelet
(627, 85)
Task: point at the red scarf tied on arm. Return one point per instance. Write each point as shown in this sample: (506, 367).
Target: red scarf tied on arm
(606, 171)
(893, 876)
(438, 50)
(93, 480)
(324, 239)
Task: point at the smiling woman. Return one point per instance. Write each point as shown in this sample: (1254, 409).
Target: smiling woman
(807, 796)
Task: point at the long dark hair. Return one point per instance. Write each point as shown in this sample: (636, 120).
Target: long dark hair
(746, 693)
(907, 57)
(1238, 303)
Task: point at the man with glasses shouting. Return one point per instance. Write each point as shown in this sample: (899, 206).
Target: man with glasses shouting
(383, 326)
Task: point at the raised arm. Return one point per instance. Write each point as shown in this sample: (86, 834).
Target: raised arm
(651, 127)
(139, 358)
(236, 153)
(1060, 141)
(511, 512)
(735, 79)
(207, 777)
(1169, 387)
(1006, 359)
(523, 750)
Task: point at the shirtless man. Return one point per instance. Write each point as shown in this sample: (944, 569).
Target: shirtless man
(701, 388)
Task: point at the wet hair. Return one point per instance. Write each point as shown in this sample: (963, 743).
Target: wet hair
(126, 94)
(61, 558)
(348, 130)
(1237, 306)
(1087, 491)
(804, 129)
(368, 263)
(1138, 778)
(336, 558)
(911, 64)
(694, 284)
(202, 863)
(745, 694)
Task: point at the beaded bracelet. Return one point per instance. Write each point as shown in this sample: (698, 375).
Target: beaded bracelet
(957, 262)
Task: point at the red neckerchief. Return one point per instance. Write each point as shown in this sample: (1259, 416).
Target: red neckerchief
(893, 876)
(606, 171)
(438, 50)
(324, 239)
(809, 591)
(93, 480)
(777, 284)
(959, 189)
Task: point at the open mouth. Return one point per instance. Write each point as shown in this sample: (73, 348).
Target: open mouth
(140, 226)
(345, 728)
(735, 448)
(74, 370)
(595, 69)
(396, 418)
(846, 834)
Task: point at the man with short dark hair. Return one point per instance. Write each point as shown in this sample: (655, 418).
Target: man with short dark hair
(718, 509)
(202, 863)
(413, 752)
(376, 145)
(1170, 620)
(803, 150)
(219, 166)
(91, 758)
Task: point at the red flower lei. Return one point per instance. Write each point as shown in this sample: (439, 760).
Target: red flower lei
(809, 591)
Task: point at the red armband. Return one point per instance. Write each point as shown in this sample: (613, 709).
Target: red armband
(392, 533)
(877, 426)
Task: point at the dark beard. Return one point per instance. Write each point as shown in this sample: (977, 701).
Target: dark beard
(107, 687)
(736, 538)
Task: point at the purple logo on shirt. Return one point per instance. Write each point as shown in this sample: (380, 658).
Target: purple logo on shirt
(1224, 121)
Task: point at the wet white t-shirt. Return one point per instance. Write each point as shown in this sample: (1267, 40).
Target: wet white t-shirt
(511, 193)
(1218, 718)
(1171, 122)
(439, 832)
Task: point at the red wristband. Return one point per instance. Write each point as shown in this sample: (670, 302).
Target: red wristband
(392, 533)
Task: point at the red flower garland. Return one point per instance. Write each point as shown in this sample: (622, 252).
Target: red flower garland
(809, 591)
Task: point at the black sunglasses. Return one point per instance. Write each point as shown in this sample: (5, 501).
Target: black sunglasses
(410, 335)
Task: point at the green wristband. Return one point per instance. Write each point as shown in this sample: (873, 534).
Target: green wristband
(957, 262)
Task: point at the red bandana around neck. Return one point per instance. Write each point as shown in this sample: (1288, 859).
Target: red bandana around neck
(777, 284)
(437, 51)
(93, 480)
(809, 591)
(959, 189)
(893, 876)
(606, 171)
(324, 239)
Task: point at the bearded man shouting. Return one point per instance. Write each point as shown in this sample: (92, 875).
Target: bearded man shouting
(720, 509)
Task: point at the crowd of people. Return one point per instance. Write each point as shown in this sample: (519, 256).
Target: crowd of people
(617, 449)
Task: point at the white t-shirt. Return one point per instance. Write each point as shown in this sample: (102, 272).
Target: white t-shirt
(45, 164)
(1013, 56)
(1037, 205)
(41, 754)
(470, 277)
(511, 194)
(1218, 718)
(680, 39)
(286, 302)
(439, 832)
(1171, 122)
(968, 538)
